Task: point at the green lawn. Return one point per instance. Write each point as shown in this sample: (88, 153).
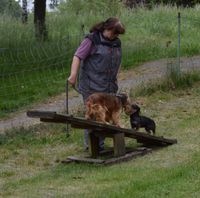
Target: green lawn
(29, 158)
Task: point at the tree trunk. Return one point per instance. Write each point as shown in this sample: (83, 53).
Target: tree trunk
(24, 11)
(39, 19)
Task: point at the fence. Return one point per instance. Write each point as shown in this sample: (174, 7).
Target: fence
(34, 76)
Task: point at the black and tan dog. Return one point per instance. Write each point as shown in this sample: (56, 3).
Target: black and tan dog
(138, 121)
(106, 108)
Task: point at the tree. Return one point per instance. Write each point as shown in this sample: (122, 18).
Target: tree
(39, 19)
(24, 11)
(10, 7)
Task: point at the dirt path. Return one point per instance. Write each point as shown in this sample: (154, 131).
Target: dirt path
(127, 79)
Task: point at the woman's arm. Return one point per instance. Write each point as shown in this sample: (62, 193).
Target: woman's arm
(81, 53)
(74, 70)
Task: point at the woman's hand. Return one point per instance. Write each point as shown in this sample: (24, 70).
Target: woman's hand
(72, 80)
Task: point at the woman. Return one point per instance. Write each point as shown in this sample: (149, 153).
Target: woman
(99, 59)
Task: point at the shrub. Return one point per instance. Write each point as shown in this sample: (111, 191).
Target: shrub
(12, 8)
(183, 3)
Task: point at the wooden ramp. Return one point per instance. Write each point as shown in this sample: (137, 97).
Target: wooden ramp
(104, 130)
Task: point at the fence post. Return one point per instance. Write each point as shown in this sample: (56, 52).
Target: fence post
(179, 44)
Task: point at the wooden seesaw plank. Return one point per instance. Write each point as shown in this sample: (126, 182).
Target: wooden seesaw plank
(77, 122)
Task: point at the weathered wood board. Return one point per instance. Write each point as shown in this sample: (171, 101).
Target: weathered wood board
(76, 122)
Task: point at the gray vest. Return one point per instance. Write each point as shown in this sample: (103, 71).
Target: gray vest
(98, 72)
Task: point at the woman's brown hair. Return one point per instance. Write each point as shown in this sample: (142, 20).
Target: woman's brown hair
(112, 23)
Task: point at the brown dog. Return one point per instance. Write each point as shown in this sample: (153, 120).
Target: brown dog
(96, 112)
(106, 108)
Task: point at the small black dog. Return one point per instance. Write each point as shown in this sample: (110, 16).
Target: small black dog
(138, 121)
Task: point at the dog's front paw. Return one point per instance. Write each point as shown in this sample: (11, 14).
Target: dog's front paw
(107, 123)
(119, 125)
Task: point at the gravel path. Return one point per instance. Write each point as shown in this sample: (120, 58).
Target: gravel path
(150, 71)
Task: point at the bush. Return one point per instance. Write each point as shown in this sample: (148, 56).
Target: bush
(80, 7)
(11, 8)
(183, 3)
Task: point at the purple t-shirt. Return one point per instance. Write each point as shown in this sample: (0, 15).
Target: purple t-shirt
(85, 49)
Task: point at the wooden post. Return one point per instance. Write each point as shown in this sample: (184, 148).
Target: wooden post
(119, 144)
(93, 144)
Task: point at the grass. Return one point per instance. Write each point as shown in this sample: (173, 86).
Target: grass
(29, 88)
(172, 81)
(29, 158)
(31, 71)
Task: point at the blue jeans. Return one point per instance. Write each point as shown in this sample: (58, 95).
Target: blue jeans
(101, 141)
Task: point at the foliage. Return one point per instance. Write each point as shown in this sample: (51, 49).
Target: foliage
(10, 7)
(93, 7)
(183, 3)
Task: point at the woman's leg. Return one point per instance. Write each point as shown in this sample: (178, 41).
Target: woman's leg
(85, 139)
